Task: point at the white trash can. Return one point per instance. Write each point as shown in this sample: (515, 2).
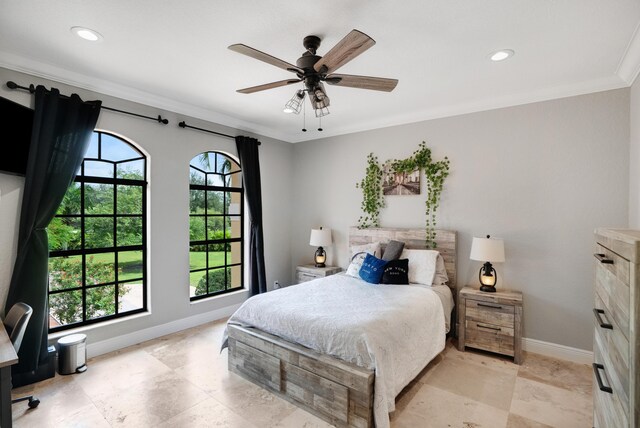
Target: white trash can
(72, 354)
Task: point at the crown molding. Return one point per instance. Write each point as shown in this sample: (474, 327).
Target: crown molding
(50, 72)
(544, 94)
(627, 70)
(629, 66)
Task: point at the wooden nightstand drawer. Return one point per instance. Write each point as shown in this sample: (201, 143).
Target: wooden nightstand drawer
(305, 276)
(491, 321)
(489, 337)
(310, 272)
(490, 313)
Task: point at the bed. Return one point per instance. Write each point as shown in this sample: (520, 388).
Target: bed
(317, 346)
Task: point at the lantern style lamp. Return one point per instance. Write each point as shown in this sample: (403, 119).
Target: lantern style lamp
(320, 238)
(487, 250)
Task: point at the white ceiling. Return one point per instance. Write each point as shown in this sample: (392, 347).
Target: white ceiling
(173, 54)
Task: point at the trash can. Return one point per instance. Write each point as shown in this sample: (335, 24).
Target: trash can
(72, 354)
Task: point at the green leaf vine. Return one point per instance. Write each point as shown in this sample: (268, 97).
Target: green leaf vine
(435, 173)
(372, 198)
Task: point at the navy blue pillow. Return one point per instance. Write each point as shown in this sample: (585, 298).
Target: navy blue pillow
(372, 269)
(396, 272)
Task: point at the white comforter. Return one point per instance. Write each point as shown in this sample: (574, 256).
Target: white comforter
(394, 329)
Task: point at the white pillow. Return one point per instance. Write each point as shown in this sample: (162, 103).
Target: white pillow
(440, 277)
(358, 254)
(373, 248)
(422, 265)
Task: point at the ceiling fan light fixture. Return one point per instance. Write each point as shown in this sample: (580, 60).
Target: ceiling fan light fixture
(294, 105)
(501, 55)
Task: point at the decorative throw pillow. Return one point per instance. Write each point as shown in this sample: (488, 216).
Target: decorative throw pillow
(372, 248)
(393, 250)
(422, 265)
(356, 264)
(372, 269)
(396, 272)
(440, 277)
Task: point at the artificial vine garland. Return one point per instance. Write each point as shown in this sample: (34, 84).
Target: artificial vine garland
(372, 197)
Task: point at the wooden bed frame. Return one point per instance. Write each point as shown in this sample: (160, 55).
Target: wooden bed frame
(336, 391)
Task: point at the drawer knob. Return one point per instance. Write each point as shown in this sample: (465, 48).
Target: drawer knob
(599, 313)
(602, 258)
(596, 370)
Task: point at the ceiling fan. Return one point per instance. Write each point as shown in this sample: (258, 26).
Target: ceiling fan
(313, 70)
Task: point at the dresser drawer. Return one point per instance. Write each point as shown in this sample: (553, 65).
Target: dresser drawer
(617, 265)
(490, 313)
(490, 337)
(609, 408)
(614, 344)
(613, 293)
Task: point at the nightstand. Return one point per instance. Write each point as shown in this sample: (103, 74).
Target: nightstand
(491, 321)
(308, 272)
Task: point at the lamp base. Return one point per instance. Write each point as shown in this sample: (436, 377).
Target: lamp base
(488, 288)
(320, 257)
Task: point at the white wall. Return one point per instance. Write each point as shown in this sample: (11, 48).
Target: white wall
(169, 150)
(542, 176)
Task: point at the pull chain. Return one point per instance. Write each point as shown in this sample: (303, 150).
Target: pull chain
(320, 124)
(304, 116)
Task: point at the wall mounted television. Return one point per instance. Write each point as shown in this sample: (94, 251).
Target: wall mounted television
(16, 121)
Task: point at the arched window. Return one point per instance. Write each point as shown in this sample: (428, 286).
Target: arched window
(215, 225)
(97, 240)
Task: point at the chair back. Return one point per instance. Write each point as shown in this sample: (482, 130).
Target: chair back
(16, 323)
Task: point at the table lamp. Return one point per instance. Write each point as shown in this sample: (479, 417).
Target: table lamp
(487, 250)
(319, 238)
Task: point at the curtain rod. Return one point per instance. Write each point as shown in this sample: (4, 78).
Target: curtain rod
(183, 124)
(31, 88)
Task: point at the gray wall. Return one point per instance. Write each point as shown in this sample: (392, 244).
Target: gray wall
(169, 151)
(541, 176)
(634, 156)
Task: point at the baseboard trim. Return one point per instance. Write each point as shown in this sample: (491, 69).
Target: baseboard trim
(119, 342)
(555, 350)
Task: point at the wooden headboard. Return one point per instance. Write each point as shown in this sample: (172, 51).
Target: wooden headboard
(413, 239)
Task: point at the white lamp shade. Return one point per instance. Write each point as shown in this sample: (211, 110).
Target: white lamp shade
(487, 250)
(320, 237)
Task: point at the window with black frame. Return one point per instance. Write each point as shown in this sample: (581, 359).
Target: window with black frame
(215, 225)
(97, 240)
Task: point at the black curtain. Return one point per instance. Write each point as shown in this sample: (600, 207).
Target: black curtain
(250, 164)
(61, 132)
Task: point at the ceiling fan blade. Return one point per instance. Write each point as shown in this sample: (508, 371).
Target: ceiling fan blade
(352, 45)
(362, 82)
(259, 55)
(271, 85)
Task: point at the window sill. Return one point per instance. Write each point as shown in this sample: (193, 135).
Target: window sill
(220, 296)
(85, 328)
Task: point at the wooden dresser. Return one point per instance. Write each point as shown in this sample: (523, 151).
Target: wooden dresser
(491, 321)
(616, 385)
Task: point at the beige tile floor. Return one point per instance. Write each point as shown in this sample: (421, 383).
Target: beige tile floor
(181, 380)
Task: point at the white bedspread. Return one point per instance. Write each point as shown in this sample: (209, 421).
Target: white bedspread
(394, 329)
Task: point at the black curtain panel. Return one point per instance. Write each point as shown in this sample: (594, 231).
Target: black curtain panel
(61, 133)
(250, 164)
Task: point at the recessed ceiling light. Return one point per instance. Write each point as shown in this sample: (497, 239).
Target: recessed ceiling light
(501, 55)
(87, 34)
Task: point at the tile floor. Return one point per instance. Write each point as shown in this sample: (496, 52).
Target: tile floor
(181, 380)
